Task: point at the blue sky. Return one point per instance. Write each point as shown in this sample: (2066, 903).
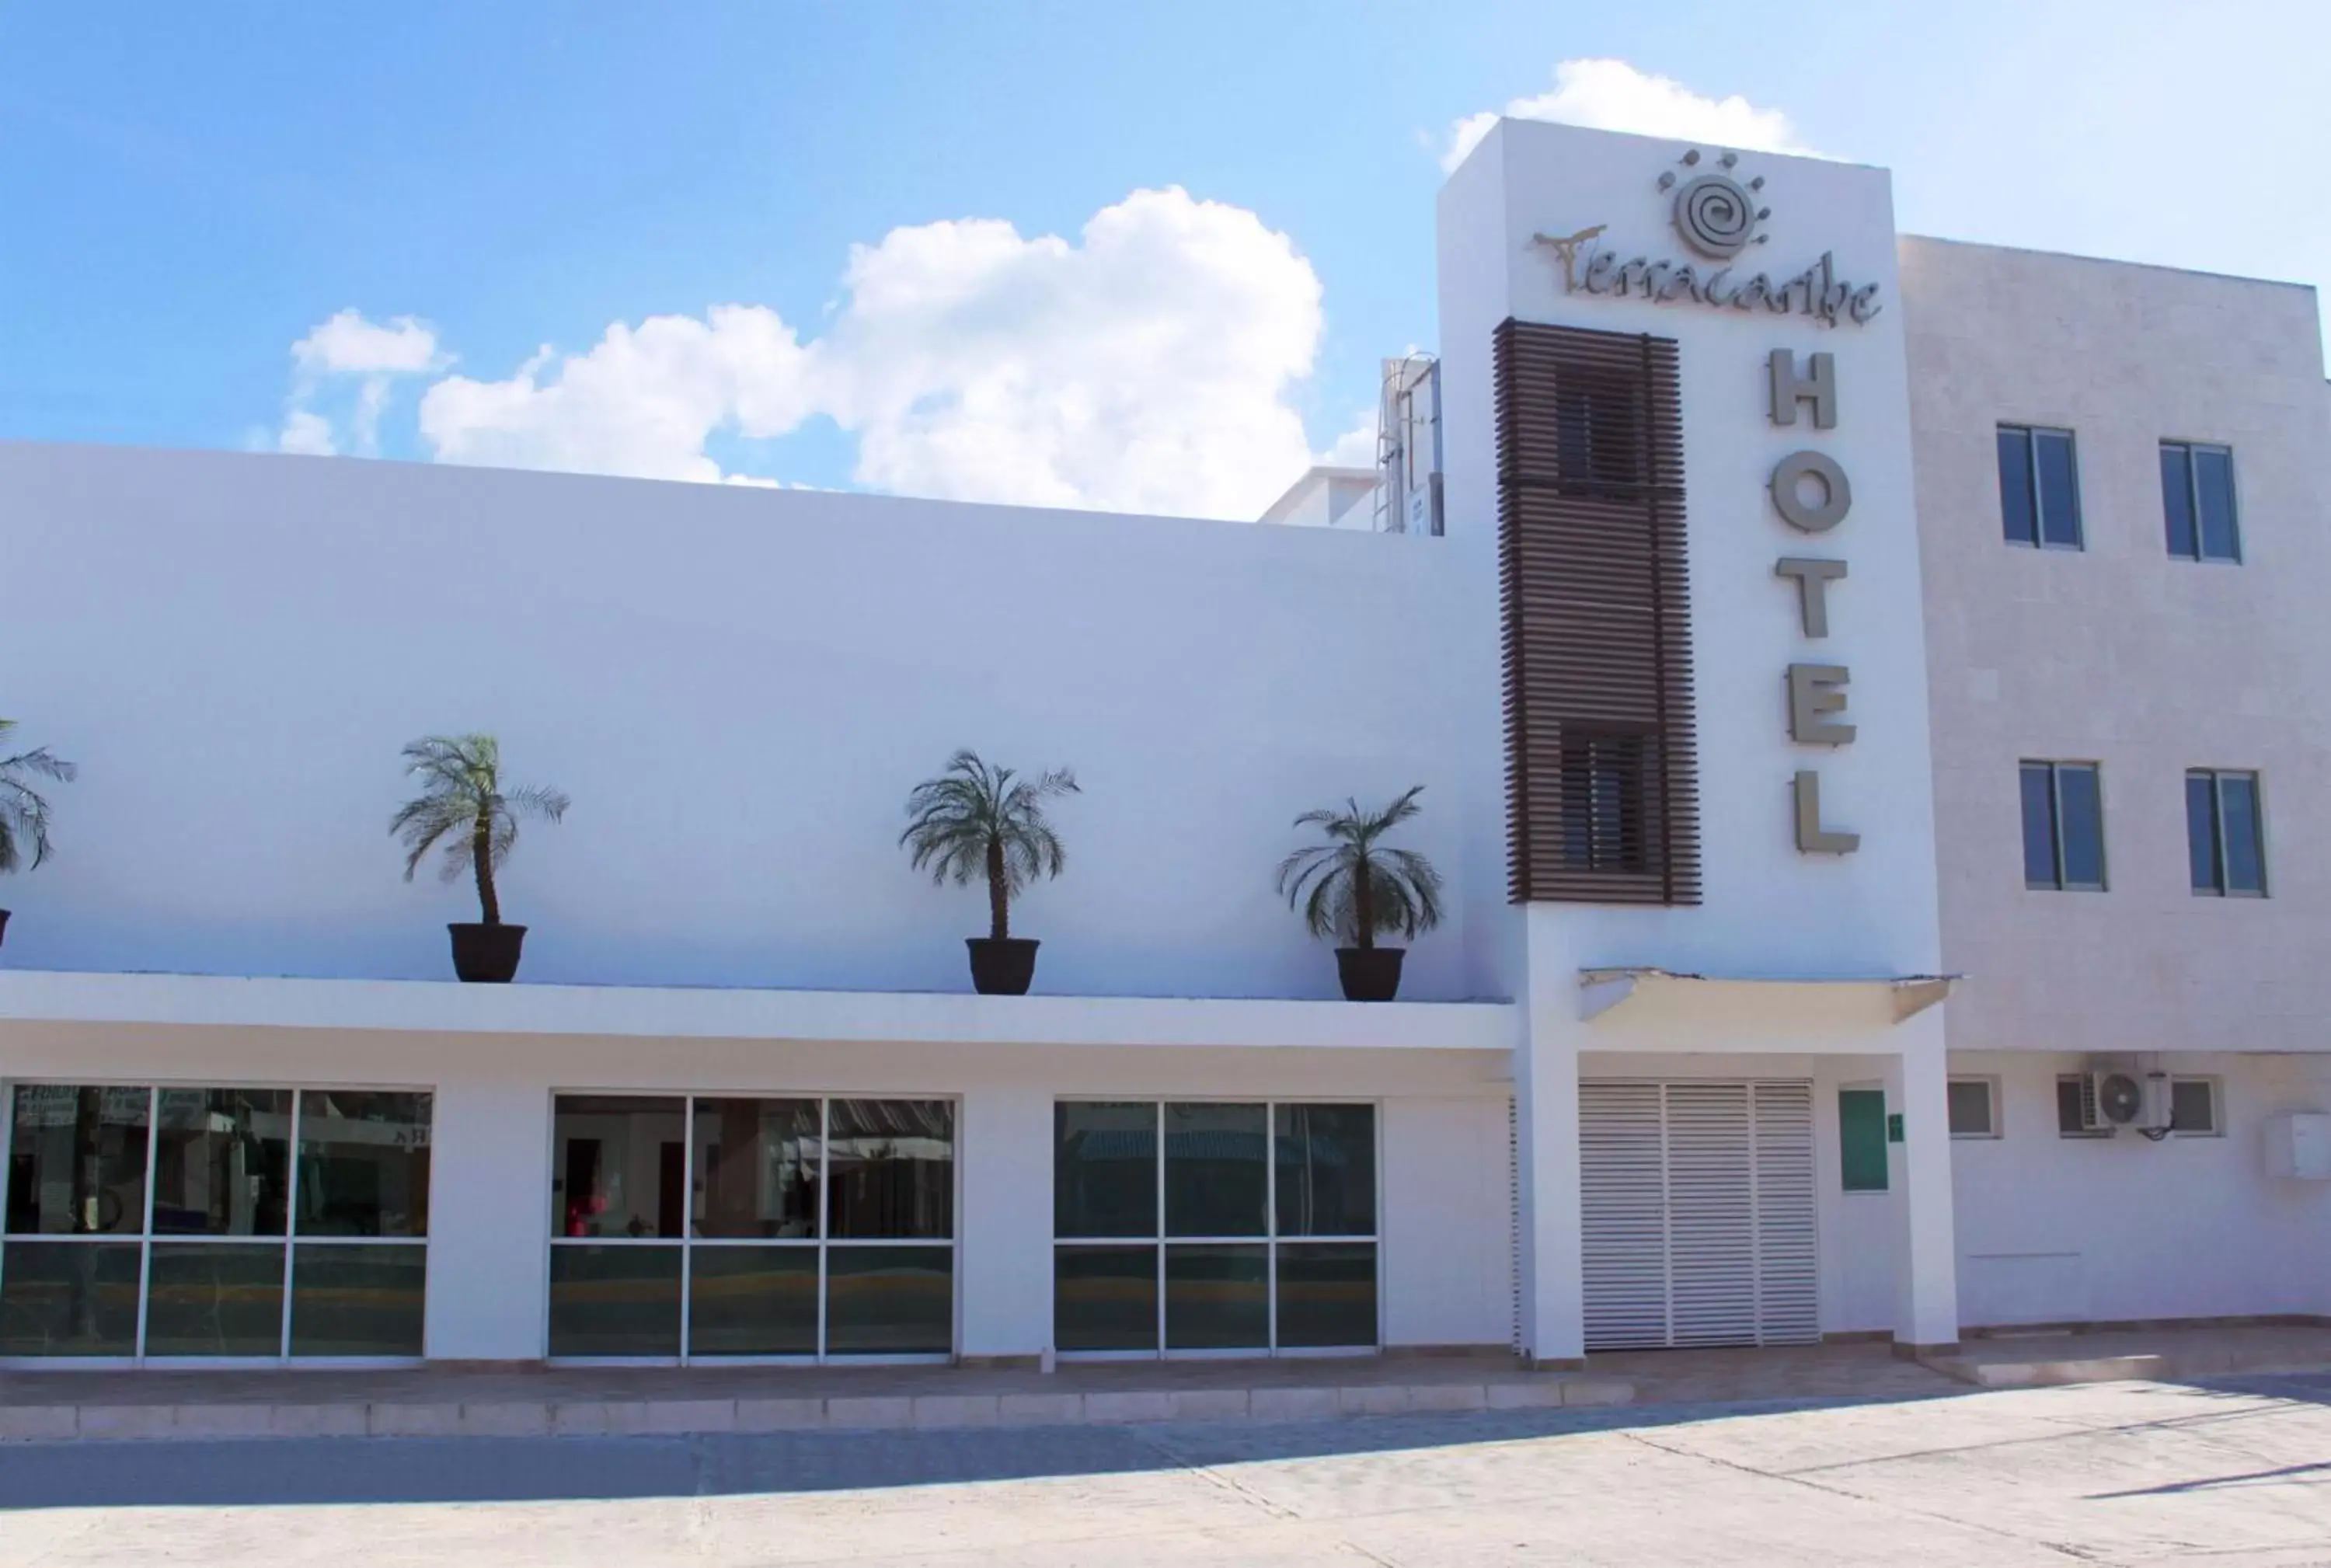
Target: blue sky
(187, 193)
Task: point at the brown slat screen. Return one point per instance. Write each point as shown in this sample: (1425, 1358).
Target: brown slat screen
(1602, 771)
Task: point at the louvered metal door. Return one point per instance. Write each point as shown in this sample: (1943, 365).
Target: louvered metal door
(1698, 1203)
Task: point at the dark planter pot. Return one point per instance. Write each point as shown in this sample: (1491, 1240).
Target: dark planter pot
(4, 925)
(486, 954)
(1002, 965)
(1369, 973)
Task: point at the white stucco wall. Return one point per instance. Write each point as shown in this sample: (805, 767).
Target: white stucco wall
(2108, 1230)
(2120, 654)
(736, 687)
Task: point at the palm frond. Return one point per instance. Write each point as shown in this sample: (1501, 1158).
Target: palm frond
(955, 820)
(23, 810)
(461, 786)
(1324, 882)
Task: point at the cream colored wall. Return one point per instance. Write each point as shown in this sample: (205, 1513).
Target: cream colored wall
(2118, 653)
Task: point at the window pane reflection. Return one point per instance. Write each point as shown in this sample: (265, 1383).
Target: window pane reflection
(1104, 1169)
(756, 1167)
(620, 1165)
(222, 1163)
(77, 1160)
(215, 1298)
(752, 1301)
(355, 1300)
(1326, 1169)
(622, 1301)
(1105, 1297)
(68, 1299)
(890, 1166)
(1215, 1171)
(1217, 1298)
(364, 1164)
(1328, 1295)
(890, 1300)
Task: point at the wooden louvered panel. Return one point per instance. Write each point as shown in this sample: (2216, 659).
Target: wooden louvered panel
(1623, 1202)
(1788, 1275)
(1596, 612)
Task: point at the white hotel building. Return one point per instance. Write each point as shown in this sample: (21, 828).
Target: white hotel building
(1871, 695)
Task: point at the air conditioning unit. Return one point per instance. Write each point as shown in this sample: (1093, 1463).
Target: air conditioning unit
(2115, 1097)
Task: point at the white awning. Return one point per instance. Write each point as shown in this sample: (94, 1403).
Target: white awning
(1602, 990)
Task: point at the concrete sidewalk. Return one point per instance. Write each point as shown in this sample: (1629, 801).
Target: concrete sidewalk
(599, 1402)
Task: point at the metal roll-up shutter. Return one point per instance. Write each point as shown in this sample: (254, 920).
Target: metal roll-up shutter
(1697, 1200)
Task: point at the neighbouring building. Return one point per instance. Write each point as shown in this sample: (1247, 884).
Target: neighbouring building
(1871, 696)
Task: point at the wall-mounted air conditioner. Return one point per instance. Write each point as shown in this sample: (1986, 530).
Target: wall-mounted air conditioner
(2115, 1097)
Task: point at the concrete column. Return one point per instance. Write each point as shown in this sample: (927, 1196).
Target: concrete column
(1927, 1291)
(1005, 1222)
(1546, 1109)
(489, 1221)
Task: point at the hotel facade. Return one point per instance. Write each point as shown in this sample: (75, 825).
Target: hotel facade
(1869, 695)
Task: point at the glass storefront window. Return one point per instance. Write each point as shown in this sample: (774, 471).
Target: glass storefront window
(1217, 1175)
(621, 1166)
(816, 1228)
(364, 1164)
(77, 1160)
(756, 1167)
(221, 1249)
(891, 1168)
(1153, 1206)
(1104, 1169)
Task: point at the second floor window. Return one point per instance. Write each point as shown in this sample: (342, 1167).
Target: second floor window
(2225, 832)
(2038, 487)
(2197, 499)
(2063, 826)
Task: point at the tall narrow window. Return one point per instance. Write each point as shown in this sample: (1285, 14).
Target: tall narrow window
(2038, 487)
(2225, 832)
(1605, 775)
(2063, 826)
(2197, 501)
(1861, 1139)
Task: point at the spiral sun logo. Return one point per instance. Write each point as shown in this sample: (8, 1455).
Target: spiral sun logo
(1714, 213)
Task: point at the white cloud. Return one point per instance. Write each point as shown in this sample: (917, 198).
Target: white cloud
(348, 348)
(1356, 447)
(642, 402)
(1613, 95)
(1147, 365)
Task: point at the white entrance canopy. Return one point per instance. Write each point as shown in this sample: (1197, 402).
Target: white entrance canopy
(1652, 994)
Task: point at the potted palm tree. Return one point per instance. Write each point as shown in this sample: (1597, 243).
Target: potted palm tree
(976, 821)
(464, 807)
(1353, 886)
(23, 813)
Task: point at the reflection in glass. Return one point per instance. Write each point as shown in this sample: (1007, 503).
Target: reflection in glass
(751, 1300)
(1326, 1169)
(68, 1299)
(756, 1167)
(1104, 1169)
(364, 1164)
(2081, 822)
(2213, 485)
(891, 1168)
(1105, 1297)
(615, 1301)
(2015, 488)
(2245, 856)
(222, 1162)
(215, 1298)
(618, 1166)
(350, 1300)
(2201, 830)
(1328, 1295)
(77, 1160)
(2177, 501)
(2059, 488)
(890, 1300)
(1217, 1298)
(1215, 1175)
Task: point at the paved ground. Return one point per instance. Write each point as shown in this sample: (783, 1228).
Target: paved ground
(2235, 1472)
